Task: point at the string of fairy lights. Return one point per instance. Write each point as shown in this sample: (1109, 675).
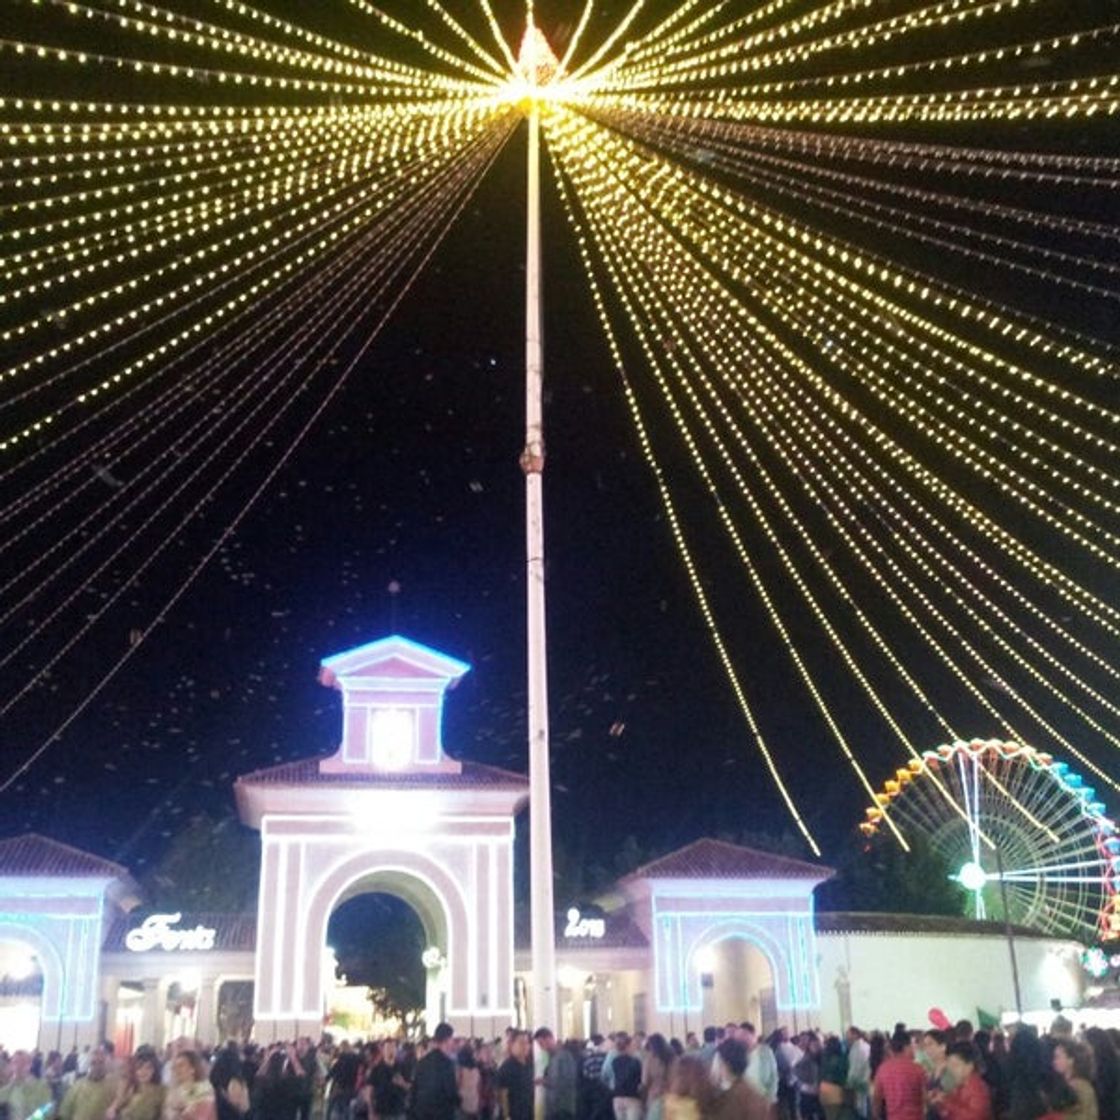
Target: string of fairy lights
(856, 269)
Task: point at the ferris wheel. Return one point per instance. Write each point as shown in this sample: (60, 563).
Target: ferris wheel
(1023, 834)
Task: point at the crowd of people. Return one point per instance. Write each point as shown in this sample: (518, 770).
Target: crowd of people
(728, 1073)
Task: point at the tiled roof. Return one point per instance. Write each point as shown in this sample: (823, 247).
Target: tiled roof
(913, 923)
(232, 932)
(620, 932)
(716, 859)
(32, 854)
(305, 771)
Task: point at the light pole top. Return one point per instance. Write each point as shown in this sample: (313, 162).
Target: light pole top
(537, 64)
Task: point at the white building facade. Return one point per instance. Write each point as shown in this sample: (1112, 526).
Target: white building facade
(708, 934)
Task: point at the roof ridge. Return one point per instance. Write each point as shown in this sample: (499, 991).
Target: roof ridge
(49, 842)
(305, 760)
(730, 846)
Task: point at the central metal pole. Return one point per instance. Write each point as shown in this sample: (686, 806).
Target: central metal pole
(544, 1004)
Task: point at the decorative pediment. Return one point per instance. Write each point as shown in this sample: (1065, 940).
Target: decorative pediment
(392, 707)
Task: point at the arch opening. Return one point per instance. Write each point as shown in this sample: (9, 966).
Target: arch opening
(21, 994)
(738, 981)
(387, 944)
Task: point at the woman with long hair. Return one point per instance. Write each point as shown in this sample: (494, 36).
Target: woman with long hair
(690, 1094)
(1035, 1089)
(1106, 1072)
(834, 1077)
(140, 1096)
(657, 1063)
(1074, 1062)
(468, 1077)
(191, 1096)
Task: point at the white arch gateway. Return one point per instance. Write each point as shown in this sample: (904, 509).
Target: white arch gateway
(389, 811)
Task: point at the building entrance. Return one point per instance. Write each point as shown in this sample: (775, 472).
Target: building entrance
(389, 813)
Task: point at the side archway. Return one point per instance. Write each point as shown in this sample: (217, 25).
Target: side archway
(708, 936)
(50, 964)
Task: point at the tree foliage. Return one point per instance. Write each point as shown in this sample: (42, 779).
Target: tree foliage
(213, 864)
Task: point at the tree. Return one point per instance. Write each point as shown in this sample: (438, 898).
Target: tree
(213, 864)
(877, 875)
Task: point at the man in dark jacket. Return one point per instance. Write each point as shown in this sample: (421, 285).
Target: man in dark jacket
(435, 1092)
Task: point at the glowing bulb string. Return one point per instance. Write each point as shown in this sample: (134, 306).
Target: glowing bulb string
(907, 223)
(451, 207)
(242, 198)
(362, 215)
(577, 35)
(1005, 321)
(1066, 99)
(971, 453)
(611, 253)
(660, 39)
(240, 421)
(202, 34)
(302, 34)
(802, 410)
(705, 51)
(235, 266)
(737, 159)
(931, 574)
(608, 43)
(656, 257)
(663, 42)
(483, 75)
(351, 137)
(972, 163)
(344, 218)
(762, 221)
(464, 36)
(220, 358)
(219, 204)
(850, 256)
(497, 36)
(615, 261)
(684, 550)
(232, 525)
(615, 252)
(742, 62)
(139, 166)
(964, 413)
(221, 39)
(200, 74)
(358, 214)
(148, 422)
(927, 548)
(975, 453)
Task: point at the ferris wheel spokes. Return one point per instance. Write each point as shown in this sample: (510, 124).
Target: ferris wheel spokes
(1031, 844)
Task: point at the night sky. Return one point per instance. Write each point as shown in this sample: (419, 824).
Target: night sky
(410, 480)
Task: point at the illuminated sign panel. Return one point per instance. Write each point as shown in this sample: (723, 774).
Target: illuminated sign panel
(579, 926)
(157, 932)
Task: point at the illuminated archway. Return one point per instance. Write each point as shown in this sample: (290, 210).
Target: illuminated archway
(29, 970)
(432, 894)
(388, 811)
(737, 966)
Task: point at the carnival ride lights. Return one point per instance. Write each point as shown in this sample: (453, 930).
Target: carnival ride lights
(1031, 831)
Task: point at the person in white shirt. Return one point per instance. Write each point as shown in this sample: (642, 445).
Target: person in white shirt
(762, 1066)
(859, 1070)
